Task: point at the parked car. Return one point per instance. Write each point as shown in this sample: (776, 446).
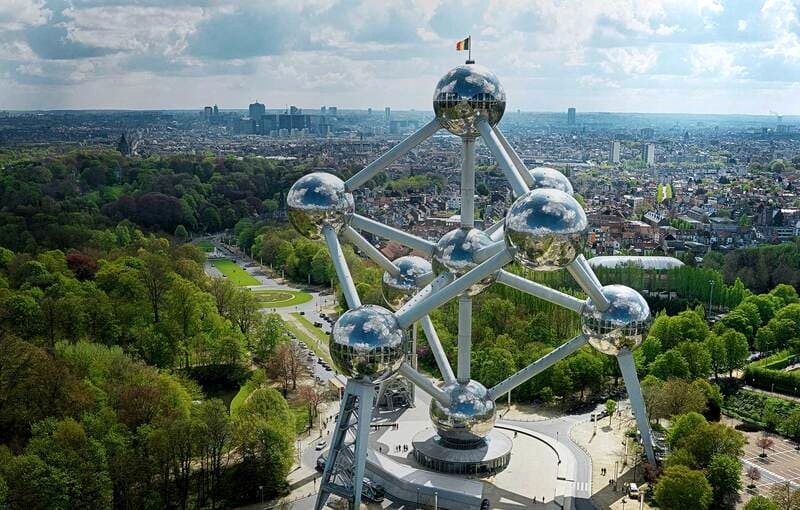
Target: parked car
(633, 491)
(321, 460)
(485, 504)
(321, 445)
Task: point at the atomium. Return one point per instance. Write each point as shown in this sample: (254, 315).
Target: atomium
(367, 343)
(547, 227)
(316, 200)
(622, 326)
(544, 177)
(397, 290)
(465, 93)
(470, 415)
(458, 252)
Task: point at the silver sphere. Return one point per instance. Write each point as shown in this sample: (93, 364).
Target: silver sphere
(470, 416)
(367, 343)
(544, 177)
(623, 325)
(397, 290)
(463, 94)
(547, 227)
(316, 200)
(456, 252)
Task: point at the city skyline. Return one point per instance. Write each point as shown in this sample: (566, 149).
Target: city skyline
(668, 56)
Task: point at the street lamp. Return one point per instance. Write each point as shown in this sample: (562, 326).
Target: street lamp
(623, 503)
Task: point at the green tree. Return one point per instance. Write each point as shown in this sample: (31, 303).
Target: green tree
(736, 350)
(724, 475)
(683, 426)
(760, 503)
(697, 357)
(717, 351)
(670, 364)
(181, 234)
(680, 488)
(611, 406)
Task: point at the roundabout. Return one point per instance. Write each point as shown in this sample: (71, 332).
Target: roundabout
(281, 298)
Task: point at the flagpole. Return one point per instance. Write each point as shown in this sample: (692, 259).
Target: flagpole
(469, 48)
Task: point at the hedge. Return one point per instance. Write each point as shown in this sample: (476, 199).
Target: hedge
(773, 380)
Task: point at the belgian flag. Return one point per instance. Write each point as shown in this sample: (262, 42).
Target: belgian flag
(463, 45)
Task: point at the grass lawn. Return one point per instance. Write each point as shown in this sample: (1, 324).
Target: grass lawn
(281, 298)
(321, 335)
(207, 245)
(235, 272)
(244, 391)
(309, 341)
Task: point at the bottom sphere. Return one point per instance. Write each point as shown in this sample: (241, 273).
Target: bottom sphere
(470, 416)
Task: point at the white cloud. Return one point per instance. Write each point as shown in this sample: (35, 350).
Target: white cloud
(782, 20)
(629, 60)
(18, 14)
(741, 25)
(715, 60)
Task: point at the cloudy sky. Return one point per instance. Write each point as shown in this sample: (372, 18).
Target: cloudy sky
(698, 56)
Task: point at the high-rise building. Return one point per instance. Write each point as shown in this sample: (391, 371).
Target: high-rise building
(614, 152)
(369, 111)
(207, 112)
(216, 111)
(571, 116)
(323, 110)
(649, 154)
(387, 114)
(647, 132)
(333, 110)
(257, 110)
(293, 110)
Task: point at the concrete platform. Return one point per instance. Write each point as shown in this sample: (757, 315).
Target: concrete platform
(488, 458)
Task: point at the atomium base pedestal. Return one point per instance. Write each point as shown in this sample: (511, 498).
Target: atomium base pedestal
(486, 458)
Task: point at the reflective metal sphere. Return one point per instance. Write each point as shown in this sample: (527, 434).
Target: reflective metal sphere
(623, 325)
(397, 290)
(455, 252)
(318, 199)
(464, 93)
(367, 343)
(544, 177)
(547, 227)
(470, 416)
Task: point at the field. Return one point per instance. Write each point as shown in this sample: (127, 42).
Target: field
(321, 335)
(311, 342)
(206, 245)
(235, 272)
(281, 298)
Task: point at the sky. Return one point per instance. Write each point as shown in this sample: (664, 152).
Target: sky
(676, 56)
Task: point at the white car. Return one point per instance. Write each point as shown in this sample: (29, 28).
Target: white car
(321, 445)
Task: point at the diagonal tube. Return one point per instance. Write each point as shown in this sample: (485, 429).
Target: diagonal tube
(540, 291)
(512, 154)
(538, 366)
(518, 185)
(379, 229)
(438, 351)
(589, 284)
(340, 265)
(370, 251)
(434, 285)
(424, 384)
(408, 315)
(392, 155)
(498, 226)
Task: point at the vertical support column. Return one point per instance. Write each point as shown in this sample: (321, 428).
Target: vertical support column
(464, 338)
(366, 401)
(628, 369)
(468, 183)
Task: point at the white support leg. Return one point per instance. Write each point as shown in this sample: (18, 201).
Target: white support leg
(438, 351)
(628, 369)
(366, 403)
(518, 185)
(540, 291)
(393, 155)
(464, 338)
(340, 265)
(537, 367)
(370, 251)
(379, 229)
(498, 226)
(424, 384)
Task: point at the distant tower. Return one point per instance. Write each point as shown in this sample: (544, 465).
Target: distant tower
(207, 112)
(614, 150)
(369, 111)
(571, 117)
(387, 114)
(216, 111)
(257, 110)
(649, 154)
(323, 110)
(333, 110)
(123, 146)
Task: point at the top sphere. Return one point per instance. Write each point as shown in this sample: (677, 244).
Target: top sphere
(545, 177)
(622, 326)
(547, 227)
(367, 343)
(316, 200)
(464, 93)
(397, 290)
